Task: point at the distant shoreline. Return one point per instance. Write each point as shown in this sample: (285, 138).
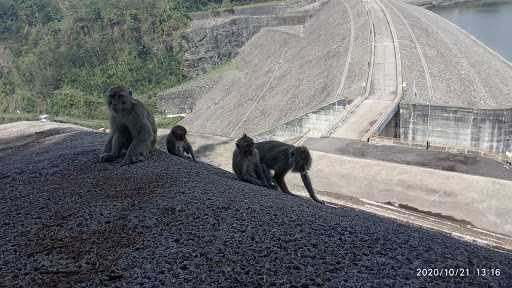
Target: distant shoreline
(445, 3)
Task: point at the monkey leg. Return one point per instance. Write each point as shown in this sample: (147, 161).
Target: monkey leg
(190, 151)
(279, 178)
(114, 147)
(268, 177)
(139, 145)
(249, 176)
(307, 183)
(134, 153)
(118, 142)
(259, 173)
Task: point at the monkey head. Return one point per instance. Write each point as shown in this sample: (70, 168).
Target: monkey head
(300, 159)
(179, 132)
(120, 100)
(246, 145)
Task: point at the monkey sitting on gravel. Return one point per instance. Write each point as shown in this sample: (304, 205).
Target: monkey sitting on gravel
(177, 143)
(246, 164)
(133, 128)
(281, 158)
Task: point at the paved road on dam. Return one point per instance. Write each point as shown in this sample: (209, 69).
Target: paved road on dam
(384, 80)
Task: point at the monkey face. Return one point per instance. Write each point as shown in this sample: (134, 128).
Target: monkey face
(179, 132)
(245, 145)
(120, 100)
(247, 149)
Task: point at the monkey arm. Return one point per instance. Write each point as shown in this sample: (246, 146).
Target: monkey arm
(307, 183)
(268, 176)
(108, 145)
(107, 155)
(189, 150)
(247, 174)
(171, 145)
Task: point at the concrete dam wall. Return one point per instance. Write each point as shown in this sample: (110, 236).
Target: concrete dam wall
(479, 129)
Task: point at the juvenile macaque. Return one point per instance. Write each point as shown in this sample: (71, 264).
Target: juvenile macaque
(246, 163)
(281, 158)
(177, 143)
(133, 128)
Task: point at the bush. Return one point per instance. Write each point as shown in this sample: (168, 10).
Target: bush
(72, 102)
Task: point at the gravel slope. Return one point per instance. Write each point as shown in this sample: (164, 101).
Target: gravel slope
(67, 220)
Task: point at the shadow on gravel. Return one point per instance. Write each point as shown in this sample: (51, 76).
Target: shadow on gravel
(68, 220)
(207, 149)
(10, 142)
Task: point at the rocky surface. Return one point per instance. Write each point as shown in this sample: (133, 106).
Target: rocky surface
(183, 98)
(69, 221)
(217, 36)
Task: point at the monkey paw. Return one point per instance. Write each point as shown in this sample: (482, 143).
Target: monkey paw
(107, 157)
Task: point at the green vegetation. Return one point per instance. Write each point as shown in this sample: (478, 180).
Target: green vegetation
(15, 117)
(59, 56)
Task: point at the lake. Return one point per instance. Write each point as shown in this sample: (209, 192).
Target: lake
(488, 21)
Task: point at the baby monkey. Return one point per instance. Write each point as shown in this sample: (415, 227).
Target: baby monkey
(177, 143)
(246, 163)
(133, 128)
(282, 158)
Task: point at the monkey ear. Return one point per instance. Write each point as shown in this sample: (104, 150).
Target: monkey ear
(130, 92)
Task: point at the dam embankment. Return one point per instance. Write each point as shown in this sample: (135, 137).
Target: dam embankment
(457, 90)
(309, 77)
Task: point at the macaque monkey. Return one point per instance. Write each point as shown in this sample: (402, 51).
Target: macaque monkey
(177, 143)
(133, 128)
(281, 158)
(246, 163)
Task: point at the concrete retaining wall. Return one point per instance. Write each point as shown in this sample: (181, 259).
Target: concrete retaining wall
(480, 129)
(259, 10)
(206, 47)
(314, 124)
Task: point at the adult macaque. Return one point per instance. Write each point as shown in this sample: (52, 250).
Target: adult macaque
(281, 158)
(133, 128)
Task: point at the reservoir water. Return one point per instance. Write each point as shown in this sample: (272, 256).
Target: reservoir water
(489, 21)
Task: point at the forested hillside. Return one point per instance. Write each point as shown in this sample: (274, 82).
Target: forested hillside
(58, 56)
